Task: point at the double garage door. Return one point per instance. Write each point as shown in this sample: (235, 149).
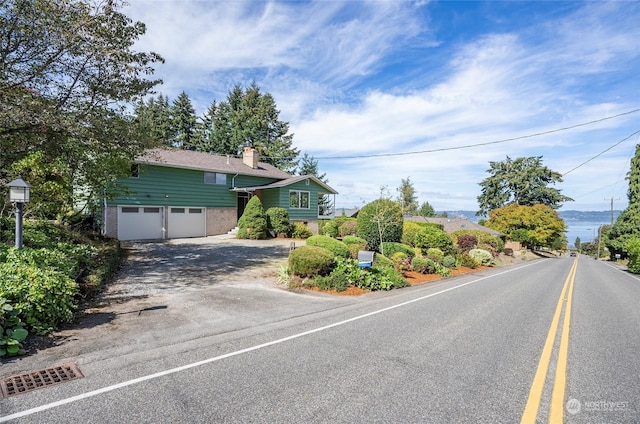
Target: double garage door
(147, 222)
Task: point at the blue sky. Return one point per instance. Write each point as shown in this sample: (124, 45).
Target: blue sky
(359, 79)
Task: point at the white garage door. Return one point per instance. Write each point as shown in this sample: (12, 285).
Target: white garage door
(187, 222)
(139, 223)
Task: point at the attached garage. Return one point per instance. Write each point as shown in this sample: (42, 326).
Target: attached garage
(187, 222)
(140, 223)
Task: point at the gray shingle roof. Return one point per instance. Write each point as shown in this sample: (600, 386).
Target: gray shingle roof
(454, 224)
(188, 159)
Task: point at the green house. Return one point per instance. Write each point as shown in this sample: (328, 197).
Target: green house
(180, 193)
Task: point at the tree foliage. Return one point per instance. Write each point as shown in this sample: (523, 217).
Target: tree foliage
(426, 210)
(407, 197)
(523, 181)
(253, 222)
(537, 225)
(627, 226)
(68, 72)
(380, 221)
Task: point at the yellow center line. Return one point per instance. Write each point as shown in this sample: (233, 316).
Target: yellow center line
(557, 397)
(535, 394)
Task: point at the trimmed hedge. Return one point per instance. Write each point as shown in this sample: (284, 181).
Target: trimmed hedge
(337, 247)
(380, 221)
(432, 236)
(310, 261)
(253, 222)
(390, 248)
(483, 256)
(278, 221)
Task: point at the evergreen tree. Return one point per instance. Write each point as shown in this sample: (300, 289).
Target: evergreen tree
(250, 118)
(183, 122)
(407, 197)
(309, 166)
(153, 120)
(523, 181)
(627, 226)
(426, 210)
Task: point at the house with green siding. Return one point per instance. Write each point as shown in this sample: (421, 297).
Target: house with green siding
(180, 193)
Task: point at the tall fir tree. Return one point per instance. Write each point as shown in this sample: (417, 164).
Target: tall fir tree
(407, 197)
(183, 122)
(627, 226)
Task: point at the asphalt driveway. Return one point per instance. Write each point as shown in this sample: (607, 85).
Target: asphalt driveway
(179, 291)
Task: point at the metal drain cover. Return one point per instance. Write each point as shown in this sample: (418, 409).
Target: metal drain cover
(32, 380)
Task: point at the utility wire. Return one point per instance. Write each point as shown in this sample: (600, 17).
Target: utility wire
(602, 152)
(467, 146)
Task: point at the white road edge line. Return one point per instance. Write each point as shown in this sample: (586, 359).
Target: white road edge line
(239, 352)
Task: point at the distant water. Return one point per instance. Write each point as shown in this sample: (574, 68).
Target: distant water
(579, 223)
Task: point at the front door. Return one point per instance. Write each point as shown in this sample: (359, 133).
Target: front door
(243, 199)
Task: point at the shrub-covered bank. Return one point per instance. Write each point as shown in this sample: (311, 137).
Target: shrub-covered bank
(42, 284)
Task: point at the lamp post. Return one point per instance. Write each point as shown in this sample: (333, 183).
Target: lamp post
(19, 194)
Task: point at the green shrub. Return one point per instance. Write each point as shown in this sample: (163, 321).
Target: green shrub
(253, 222)
(374, 278)
(435, 254)
(401, 262)
(432, 236)
(278, 221)
(389, 248)
(331, 229)
(354, 240)
(449, 261)
(382, 261)
(337, 247)
(483, 256)
(44, 297)
(12, 331)
(463, 259)
(349, 228)
(310, 261)
(485, 240)
(632, 247)
(423, 265)
(380, 221)
(338, 280)
(301, 231)
(409, 231)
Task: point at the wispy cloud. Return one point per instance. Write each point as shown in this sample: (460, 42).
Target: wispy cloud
(358, 78)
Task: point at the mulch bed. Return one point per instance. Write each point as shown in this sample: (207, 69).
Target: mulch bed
(414, 278)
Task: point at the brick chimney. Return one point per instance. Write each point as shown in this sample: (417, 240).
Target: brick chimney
(250, 157)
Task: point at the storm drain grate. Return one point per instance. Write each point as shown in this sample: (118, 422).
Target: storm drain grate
(32, 380)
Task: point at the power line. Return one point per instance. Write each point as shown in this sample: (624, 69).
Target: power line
(602, 152)
(467, 146)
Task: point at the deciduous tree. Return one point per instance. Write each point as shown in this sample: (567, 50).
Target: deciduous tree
(537, 225)
(68, 71)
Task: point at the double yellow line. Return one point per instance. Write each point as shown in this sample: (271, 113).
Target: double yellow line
(559, 383)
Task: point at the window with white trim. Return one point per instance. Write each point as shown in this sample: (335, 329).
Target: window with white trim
(299, 199)
(215, 178)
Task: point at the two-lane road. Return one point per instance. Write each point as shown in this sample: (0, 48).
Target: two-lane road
(464, 350)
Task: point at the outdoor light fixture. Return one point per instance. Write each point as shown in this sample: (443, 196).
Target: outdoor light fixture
(19, 192)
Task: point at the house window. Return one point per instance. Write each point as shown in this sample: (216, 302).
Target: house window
(299, 199)
(215, 178)
(151, 210)
(177, 210)
(129, 210)
(134, 170)
(197, 210)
